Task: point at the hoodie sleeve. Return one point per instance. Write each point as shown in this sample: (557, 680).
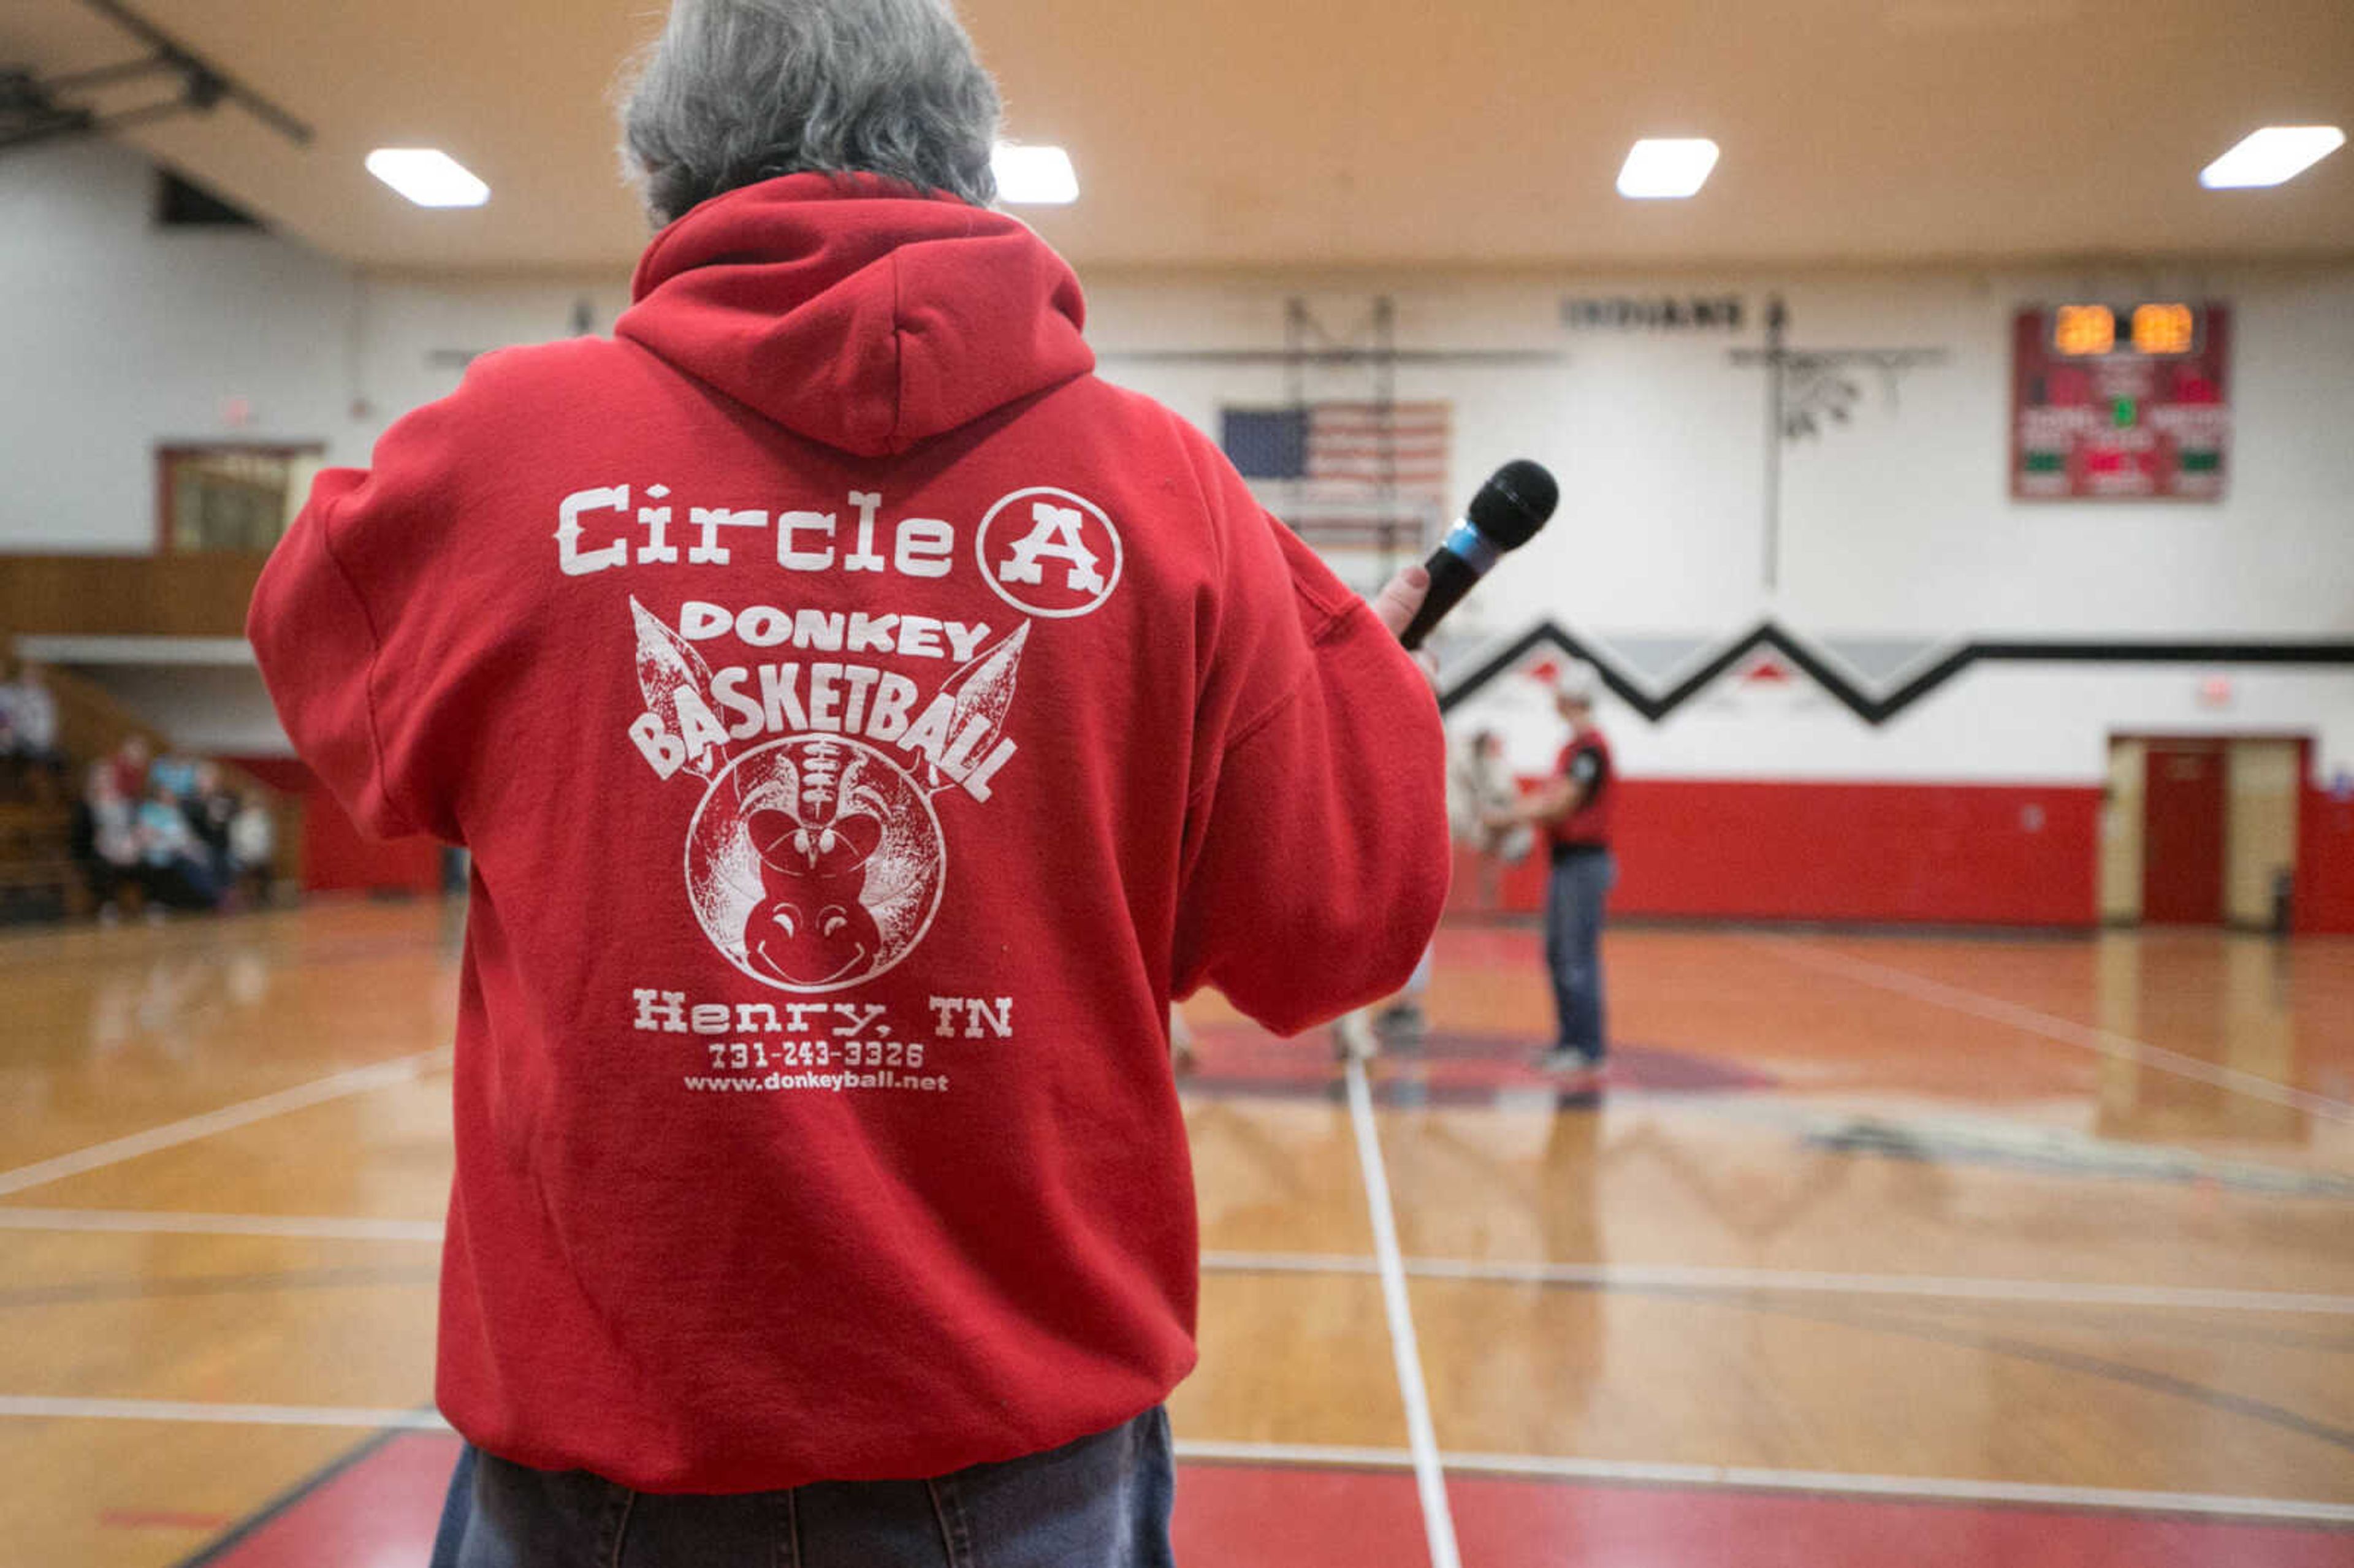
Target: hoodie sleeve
(339, 624)
(1315, 858)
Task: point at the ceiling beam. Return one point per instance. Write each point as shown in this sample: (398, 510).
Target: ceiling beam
(40, 110)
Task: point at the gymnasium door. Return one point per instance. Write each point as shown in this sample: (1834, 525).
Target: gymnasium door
(2183, 834)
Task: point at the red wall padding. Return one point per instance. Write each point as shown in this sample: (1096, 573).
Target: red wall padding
(337, 857)
(1927, 852)
(1961, 854)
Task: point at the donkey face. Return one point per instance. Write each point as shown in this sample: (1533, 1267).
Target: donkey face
(810, 927)
(813, 829)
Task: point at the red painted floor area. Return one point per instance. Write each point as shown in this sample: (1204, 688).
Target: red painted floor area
(1267, 1516)
(378, 1511)
(375, 1509)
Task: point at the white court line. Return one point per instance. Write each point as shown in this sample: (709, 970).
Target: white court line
(2057, 1292)
(1834, 1483)
(360, 1080)
(143, 1222)
(1430, 1477)
(1292, 1263)
(41, 1408)
(1940, 1288)
(1633, 1277)
(2104, 1042)
(1738, 1478)
(1319, 1454)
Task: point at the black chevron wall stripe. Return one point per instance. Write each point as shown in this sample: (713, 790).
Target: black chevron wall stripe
(1879, 708)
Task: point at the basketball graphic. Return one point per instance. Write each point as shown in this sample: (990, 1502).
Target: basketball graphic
(814, 863)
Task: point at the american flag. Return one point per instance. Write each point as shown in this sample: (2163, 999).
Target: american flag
(1347, 473)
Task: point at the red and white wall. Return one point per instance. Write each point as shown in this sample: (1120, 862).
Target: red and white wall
(1986, 801)
(1762, 795)
(1981, 801)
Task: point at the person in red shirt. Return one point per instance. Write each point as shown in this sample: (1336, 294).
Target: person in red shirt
(130, 763)
(864, 721)
(1573, 809)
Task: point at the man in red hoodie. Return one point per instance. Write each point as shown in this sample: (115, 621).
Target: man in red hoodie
(864, 721)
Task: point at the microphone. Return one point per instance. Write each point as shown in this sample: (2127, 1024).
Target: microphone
(1506, 513)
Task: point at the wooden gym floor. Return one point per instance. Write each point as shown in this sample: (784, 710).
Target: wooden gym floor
(2006, 1251)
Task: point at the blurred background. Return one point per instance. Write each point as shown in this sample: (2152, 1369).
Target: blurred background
(1379, 253)
(1951, 409)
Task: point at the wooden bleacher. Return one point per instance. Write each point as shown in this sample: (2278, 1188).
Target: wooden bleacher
(38, 878)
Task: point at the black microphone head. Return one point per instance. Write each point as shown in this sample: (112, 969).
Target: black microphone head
(1515, 503)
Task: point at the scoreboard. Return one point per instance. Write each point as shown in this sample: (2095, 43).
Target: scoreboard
(2114, 401)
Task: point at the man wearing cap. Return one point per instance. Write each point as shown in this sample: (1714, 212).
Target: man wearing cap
(1573, 809)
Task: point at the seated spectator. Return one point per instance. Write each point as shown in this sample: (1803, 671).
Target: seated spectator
(28, 730)
(253, 847)
(173, 772)
(177, 875)
(130, 766)
(30, 711)
(105, 841)
(210, 808)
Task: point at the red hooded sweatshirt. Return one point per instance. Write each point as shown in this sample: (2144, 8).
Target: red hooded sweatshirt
(864, 720)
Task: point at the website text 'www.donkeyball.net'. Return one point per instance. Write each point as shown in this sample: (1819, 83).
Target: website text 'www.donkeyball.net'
(932, 1083)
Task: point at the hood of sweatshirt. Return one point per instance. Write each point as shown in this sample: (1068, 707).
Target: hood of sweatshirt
(856, 313)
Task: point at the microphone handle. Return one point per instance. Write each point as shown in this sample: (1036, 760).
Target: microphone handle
(1451, 576)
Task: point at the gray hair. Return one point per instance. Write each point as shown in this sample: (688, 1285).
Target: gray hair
(737, 91)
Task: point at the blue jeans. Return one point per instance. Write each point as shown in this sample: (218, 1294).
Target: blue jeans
(1100, 1502)
(1581, 881)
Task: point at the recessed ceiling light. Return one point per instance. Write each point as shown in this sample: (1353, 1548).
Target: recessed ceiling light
(2268, 156)
(1666, 167)
(428, 177)
(1034, 176)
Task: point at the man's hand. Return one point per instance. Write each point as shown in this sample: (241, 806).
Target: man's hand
(1401, 597)
(1394, 606)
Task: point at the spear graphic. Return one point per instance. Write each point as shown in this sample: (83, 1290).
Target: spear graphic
(983, 691)
(668, 666)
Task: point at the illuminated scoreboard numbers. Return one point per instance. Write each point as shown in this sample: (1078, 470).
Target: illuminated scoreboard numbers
(2089, 332)
(2163, 328)
(2121, 400)
(2079, 330)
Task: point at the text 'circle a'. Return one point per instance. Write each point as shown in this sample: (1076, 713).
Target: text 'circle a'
(1048, 552)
